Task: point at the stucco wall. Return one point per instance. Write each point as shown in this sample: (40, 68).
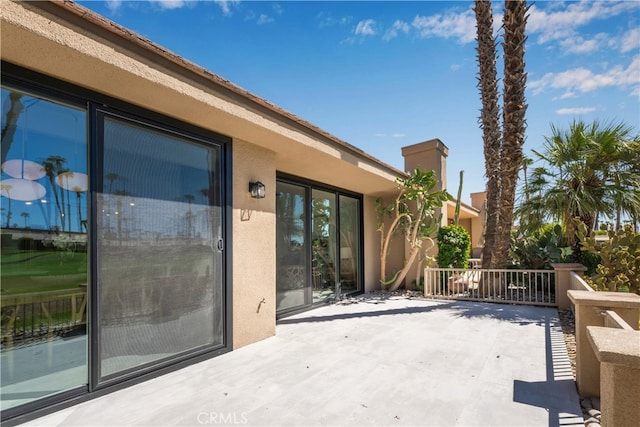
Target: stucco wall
(254, 245)
(477, 224)
(396, 254)
(371, 246)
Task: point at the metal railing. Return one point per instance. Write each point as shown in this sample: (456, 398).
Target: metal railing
(29, 317)
(530, 287)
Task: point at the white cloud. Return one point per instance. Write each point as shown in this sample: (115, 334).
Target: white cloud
(578, 45)
(567, 95)
(461, 26)
(398, 26)
(226, 5)
(584, 80)
(114, 5)
(264, 19)
(555, 24)
(575, 110)
(171, 4)
(630, 41)
(365, 28)
(635, 91)
(328, 20)
(398, 135)
(455, 67)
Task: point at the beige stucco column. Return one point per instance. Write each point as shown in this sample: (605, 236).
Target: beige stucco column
(563, 281)
(429, 155)
(618, 351)
(588, 312)
(254, 245)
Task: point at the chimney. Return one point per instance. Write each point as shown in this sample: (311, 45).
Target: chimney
(429, 155)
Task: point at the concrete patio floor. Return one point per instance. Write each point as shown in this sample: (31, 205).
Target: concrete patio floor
(389, 362)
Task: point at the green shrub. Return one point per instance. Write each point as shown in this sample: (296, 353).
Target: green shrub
(619, 268)
(454, 247)
(539, 249)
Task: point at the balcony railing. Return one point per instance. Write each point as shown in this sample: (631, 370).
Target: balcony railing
(531, 287)
(29, 317)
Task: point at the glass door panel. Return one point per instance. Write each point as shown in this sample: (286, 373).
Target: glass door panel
(291, 247)
(324, 244)
(43, 281)
(160, 269)
(318, 257)
(349, 243)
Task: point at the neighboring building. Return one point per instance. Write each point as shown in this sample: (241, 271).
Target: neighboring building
(155, 214)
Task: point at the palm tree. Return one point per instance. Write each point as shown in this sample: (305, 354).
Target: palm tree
(204, 192)
(588, 170)
(78, 192)
(513, 120)
(25, 215)
(8, 131)
(7, 188)
(526, 162)
(111, 177)
(489, 123)
(502, 151)
(617, 155)
(52, 167)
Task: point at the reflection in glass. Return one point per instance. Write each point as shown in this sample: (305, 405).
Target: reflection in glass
(324, 244)
(159, 267)
(291, 248)
(349, 243)
(43, 348)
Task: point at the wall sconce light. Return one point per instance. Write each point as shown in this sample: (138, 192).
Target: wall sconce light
(257, 190)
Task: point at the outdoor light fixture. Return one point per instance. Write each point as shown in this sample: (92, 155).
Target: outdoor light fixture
(23, 190)
(257, 190)
(23, 169)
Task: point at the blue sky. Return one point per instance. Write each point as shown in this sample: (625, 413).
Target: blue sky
(383, 75)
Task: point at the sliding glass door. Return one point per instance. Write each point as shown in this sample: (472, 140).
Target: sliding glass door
(324, 244)
(159, 255)
(318, 245)
(350, 237)
(291, 247)
(44, 184)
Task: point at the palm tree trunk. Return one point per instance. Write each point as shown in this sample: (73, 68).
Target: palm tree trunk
(489, 122)
(514, 108)
(9, 130)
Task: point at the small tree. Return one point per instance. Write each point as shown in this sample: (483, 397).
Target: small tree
(413, 214)
(454, 247)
